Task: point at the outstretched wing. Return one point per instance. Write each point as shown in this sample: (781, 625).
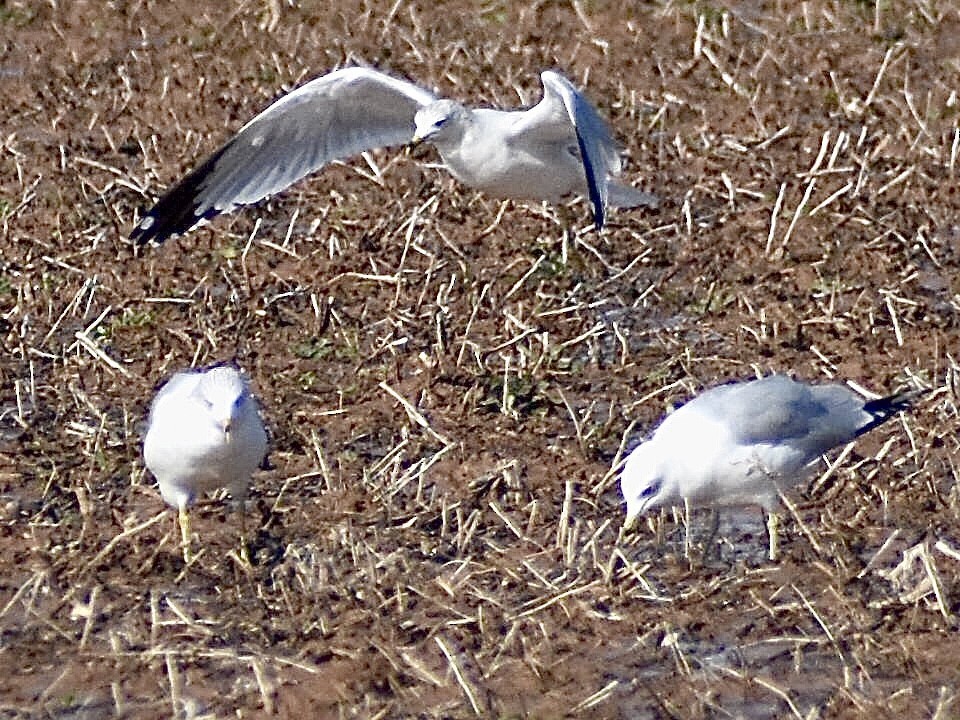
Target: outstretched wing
(332, 117)
(598, 151)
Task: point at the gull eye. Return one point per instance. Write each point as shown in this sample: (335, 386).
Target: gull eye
(441, 122)
(650, 489)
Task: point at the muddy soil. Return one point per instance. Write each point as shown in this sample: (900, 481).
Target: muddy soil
(448, 383)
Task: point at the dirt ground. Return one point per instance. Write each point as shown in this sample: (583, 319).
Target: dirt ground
(448, 385)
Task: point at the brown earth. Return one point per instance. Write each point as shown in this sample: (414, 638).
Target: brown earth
(458, 553)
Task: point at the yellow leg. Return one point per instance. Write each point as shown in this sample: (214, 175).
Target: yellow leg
(184, 519)
(773, 523)
(244, 555)
(568, 232)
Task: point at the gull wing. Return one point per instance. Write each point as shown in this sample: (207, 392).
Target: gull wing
(773, 410)
(332, 117)
(813, 419)
(564, 107)
(853, 416)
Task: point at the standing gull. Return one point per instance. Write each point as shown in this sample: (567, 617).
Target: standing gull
(744, 443)
(204, 433)
(558, 148)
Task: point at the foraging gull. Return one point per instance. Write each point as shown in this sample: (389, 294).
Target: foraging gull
(745, 442)
(204, 433)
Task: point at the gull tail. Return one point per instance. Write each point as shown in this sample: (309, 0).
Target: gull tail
(885, 408)
(626, 196)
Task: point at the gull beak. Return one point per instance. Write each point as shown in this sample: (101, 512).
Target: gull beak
(631, 520)
(422, 135)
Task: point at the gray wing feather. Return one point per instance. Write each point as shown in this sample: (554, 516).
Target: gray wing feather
(598, 151)
(776, 409)
(585, 119)
(332, 117)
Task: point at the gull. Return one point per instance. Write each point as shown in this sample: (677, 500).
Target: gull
(204, 433)
(558, 148)
(745, 443)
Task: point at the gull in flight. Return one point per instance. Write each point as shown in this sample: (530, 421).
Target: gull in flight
(204, 433)
(745, 442)
(558, 148)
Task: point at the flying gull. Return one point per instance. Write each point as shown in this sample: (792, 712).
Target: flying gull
(558, 148)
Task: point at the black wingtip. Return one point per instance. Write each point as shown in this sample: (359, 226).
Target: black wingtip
(176, 212)
(596, 199)
(882, 409)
